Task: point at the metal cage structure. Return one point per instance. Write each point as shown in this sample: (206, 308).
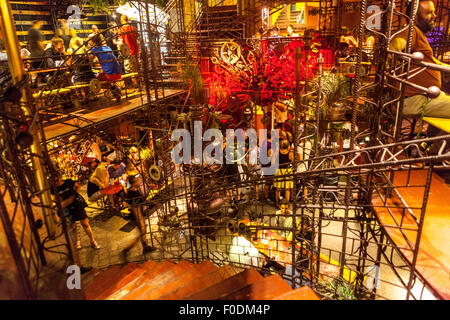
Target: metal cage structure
(350, 232)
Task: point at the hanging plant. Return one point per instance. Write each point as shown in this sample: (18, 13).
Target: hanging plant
(103, 5)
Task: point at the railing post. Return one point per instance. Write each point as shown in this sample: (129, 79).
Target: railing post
(18, 74)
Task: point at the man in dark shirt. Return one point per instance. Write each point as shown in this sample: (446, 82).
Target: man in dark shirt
(416, 101)
(64, 33)
(55, 54)
(35, 43)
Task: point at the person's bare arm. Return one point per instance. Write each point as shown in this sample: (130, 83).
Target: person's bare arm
(67, 202)
(291, 156)
(398, 44)
(353, 41)
(440, 62)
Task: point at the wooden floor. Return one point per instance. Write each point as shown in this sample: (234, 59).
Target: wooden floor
(99, 115)
(433, 261)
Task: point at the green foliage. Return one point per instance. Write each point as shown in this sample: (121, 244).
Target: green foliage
(335, 87)
(147, 154)
(338, 289)
(103, 5)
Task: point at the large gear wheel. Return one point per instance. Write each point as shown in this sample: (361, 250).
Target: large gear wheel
(230, 52)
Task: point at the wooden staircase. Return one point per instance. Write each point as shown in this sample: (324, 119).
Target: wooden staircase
(187, 281)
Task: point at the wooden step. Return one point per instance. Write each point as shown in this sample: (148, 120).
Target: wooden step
(101, 277)
(176, 282)
(152, 268)
(226, 286)
(265, 289)
(122, 282)
(303, 293)
(97, 287)
(87, 278)
(201, 283)
(159, 280)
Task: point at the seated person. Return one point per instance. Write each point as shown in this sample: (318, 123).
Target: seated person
(98, 182)
(348, 38)
(416, 101)
(284, 219)
(80, 63)
(117, 169)
(108, 61)
(54, 55)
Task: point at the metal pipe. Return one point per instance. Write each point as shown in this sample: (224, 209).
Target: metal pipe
(17, 70)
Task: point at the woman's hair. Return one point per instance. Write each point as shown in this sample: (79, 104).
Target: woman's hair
(78, 43)
(132, 180)
(284, 144)
(116, 161)
(55, 41)
(97, 40)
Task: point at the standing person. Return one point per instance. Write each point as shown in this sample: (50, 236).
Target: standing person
(231, 163)
(75, 40)
(74, 206)
(65, 33)
(129, 36)
(111, 38)
(286, 157)
(135, 199)
(36, 44)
